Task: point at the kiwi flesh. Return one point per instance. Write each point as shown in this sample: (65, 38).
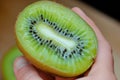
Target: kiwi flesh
(7, 63)
(55, 39)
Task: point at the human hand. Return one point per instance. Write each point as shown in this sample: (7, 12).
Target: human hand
(102, 69)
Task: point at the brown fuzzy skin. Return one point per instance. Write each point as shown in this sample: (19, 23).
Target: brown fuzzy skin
(41, 66)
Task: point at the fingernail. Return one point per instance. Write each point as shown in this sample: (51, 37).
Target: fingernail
(20, 63)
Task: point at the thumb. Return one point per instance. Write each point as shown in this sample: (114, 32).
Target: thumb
(24, 70)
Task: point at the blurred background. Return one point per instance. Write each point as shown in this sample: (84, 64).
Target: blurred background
(109, 7)
(105, 13)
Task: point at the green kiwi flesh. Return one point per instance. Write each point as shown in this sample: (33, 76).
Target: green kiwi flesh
(55, 39)
(7, 63)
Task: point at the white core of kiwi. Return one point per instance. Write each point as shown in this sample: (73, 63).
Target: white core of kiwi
(49, 33)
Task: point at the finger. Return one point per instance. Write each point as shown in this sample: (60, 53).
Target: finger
(24, 70)
(104, 58)
(84, 78)
(46, 76)
(60, 78)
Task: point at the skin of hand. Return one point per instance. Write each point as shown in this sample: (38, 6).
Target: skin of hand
(102, 69)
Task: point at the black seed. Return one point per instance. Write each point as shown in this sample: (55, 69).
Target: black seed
(53, 24)
(50, 46)
(60, 30)
(31, 26)
(65, 56)
(77, 47)
(55, 27)
(65, 34)
(65, 50)
(40, 39)
(34, 32)
(33, 22)
(30, 31)
(41, 43)
(46, 41)
(71, 35)
(74, 51)
(70, 56)
(42, 17)
(78, 38)
(44, 20)
(50, 41)
(47, 20)
(80, 50)
(36, 35)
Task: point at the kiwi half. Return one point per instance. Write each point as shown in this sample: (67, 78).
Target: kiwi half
(55, 39)
(7, 63)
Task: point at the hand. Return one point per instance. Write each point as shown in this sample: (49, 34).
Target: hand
(102, 69)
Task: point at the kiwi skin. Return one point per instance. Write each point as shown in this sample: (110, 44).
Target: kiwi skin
(47, 68)
(7, 63)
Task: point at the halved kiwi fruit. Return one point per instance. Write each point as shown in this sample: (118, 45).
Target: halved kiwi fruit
(55, 39)
(7, 63)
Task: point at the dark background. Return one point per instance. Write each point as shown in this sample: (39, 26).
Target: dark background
(109, 7)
